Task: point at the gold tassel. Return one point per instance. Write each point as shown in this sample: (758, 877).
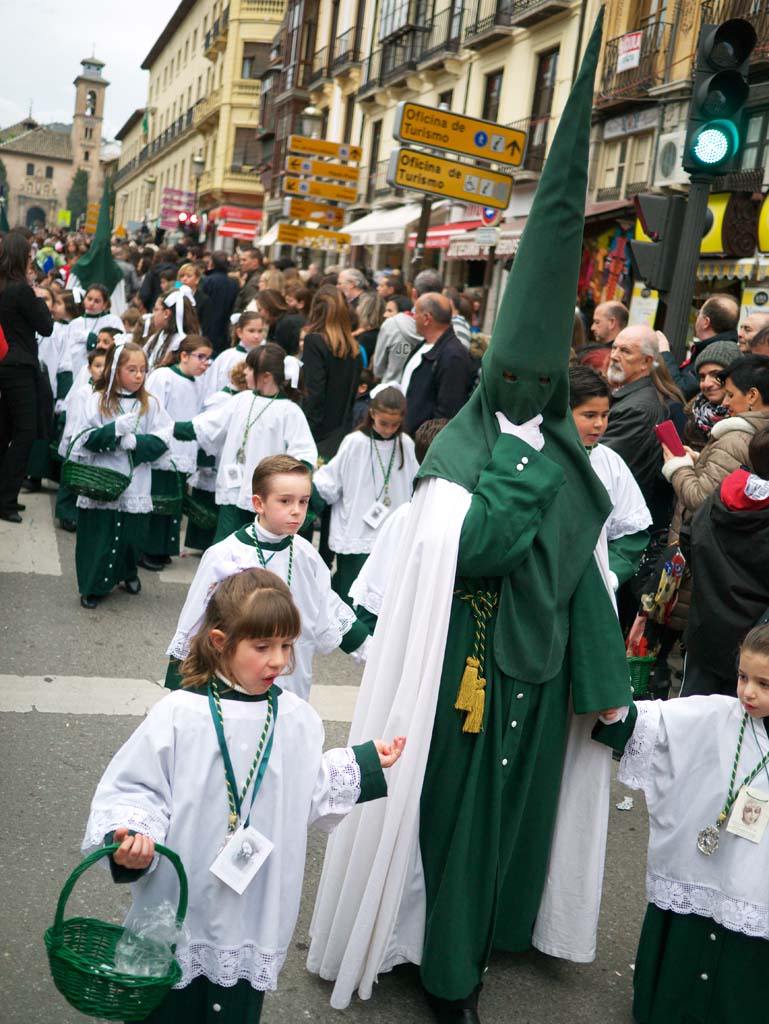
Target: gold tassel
(474, 719)
(468, 686)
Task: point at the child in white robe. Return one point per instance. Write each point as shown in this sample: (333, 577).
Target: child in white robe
(370, 476)
(248, 333)
(281, 488)
(248, 428)
(176, 385)
(84, 330)
(124, 429)
(169, 784)
(173, 318)
(700, 761)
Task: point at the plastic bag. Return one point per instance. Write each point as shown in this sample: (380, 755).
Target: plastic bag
(145, 949)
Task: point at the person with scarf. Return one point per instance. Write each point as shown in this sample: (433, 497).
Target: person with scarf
(497, 645)
(707, 408)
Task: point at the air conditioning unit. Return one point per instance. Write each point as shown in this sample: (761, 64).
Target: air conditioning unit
(667, 166)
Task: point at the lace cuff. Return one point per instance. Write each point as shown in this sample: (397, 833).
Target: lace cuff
(636, 764)
(136, 819)
(635, 521)
(338, 789)
(179, 647)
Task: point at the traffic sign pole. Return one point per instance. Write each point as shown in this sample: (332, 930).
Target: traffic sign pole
(418, 259)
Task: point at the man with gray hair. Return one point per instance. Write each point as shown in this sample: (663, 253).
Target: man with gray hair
(352, 283)
(637, 406)
(436, 379)
(754, 325)
(398, 336)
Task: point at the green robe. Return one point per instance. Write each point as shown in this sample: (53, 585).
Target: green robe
(164, 531)
(489, 799)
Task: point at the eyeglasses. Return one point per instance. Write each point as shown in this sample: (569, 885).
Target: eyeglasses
(201, 357)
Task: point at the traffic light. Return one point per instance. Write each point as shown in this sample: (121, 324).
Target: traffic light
(714, 133)
(188, 222)
(662, 219)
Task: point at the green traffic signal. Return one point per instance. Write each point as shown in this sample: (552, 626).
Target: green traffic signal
(715, 143)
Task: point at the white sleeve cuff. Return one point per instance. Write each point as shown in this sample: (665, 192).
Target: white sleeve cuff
(673, 465)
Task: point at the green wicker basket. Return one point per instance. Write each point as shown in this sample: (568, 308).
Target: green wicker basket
(81, 953)
(96, 482)
(198, 513)
(640, 670)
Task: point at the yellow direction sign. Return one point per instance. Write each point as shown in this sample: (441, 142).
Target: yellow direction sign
(321, 169)
(306, 209)
(322, 189)
(313, 238)
(64, 218)
(319, 147)
(423, 172)
(440, 129)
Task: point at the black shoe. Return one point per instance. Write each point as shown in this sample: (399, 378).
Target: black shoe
(17, 506)
(32, 486)
(165, 559)
(87, 601)
(133, 586)
(10, 516)
(67, 524)
(153, 564)
(455, 1011)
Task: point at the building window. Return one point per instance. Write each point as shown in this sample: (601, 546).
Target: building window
(30, 169)
(756, 148)
(194, 39)
(90, 103)
(86, 155)
(49, 172)
(445, 99)
(88, 132)
(376, 141)
(255, 58)
(245, 152)
(349, 112)
(491, 94)
(541, 109)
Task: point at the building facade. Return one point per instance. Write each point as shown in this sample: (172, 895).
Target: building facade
(194, 144)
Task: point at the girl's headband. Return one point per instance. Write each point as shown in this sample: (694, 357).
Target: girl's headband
(119, 346)
(175, 300)
(387, 384)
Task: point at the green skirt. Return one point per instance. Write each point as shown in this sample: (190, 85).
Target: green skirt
(231, 518)
(164, 531)
(345, 574)
(66, 504)
(203, 1002)
(486, 815)
(199, 537)
(39, 461)
(690, 970)
(108, 547)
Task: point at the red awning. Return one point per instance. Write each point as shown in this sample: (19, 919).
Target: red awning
(439, 236)
(236, 229)
(236, 213)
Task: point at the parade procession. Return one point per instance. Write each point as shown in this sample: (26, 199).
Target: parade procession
(384, 513)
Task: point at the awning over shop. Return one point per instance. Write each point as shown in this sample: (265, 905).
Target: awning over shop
(235, 229)
(268, 239)
(440, 236)
(383, 227)
(594, 211)
(245, 214)
(466, 246)
(753, 267)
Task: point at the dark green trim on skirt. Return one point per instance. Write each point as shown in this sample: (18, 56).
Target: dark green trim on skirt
(347, 569)
(231, 518)
(108, 547)
(203, 1002)
(66, 504)
(198, 537)
(163, 532)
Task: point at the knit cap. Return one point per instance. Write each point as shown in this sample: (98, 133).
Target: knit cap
(722, 353)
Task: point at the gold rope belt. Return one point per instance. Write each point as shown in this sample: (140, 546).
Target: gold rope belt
(472, 690)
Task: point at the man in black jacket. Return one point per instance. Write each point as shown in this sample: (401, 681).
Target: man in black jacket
(716, 321)
(222, 290)
(437, 376)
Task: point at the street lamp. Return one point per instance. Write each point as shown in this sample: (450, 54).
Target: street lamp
(198, 164)
(150, 181)
(311, 121)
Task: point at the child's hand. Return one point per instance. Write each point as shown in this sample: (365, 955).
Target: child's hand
(135, 852)
(609, 716)
(388, 755)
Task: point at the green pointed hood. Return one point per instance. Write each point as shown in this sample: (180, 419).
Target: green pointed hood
(98, 265)
(525, 372)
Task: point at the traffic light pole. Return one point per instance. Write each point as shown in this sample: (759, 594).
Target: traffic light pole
(679, 298)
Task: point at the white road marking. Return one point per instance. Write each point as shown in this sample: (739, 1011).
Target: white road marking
(31, 546)
(94, 695)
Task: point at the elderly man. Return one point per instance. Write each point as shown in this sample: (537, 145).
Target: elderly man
(749, 329)
(637, 407)
(436, 379)
(352, 284)
(609, 318)
(716, 321)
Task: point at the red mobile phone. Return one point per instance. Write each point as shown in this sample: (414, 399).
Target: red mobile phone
(668, 435)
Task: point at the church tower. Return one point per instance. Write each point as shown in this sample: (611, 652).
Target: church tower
(90, 88)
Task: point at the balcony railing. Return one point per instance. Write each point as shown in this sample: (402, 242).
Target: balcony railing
(372, 74)
(491, 20)
(294, 79)
(271, 9)
(536, 143)
(207, 111)
(755, 11)
(401, 56)
(634, 82)
(445, 35)
(319, 70)
(173, 133)
(346, 50)
(373, 183)
(606, 195)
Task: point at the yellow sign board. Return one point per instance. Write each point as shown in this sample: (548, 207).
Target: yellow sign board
(322, 189)
(321, 169)
(449, 179)
(313, 238)
(319, 147)
(440, 129)
(64, 218)
(306, 209)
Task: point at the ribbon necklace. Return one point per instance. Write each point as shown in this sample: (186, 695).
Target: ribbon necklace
(251, 531)
(235, 797)
(707, 838)
(241, 453)
(385, 474)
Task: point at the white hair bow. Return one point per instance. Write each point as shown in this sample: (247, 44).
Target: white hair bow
(175, 300)
(119, 346)
(291, 369)
(387, 384)
(78, 293)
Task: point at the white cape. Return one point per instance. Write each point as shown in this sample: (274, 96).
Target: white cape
(370, 909)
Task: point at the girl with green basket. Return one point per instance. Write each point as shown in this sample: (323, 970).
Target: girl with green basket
(124, 430)
(229, 772)
(178, 389)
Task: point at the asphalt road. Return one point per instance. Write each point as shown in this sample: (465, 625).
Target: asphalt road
(55, 748)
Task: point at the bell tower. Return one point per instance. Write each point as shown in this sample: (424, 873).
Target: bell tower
(90, 89)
